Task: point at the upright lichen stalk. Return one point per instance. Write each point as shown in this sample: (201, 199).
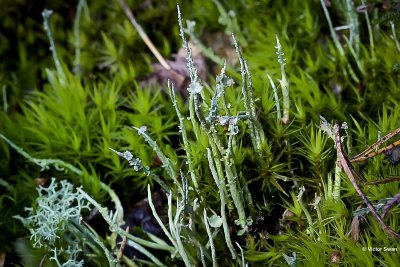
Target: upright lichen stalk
(208, 124)
(182, 130)
(46, 22)
(256, 131)
(195, 87)
(284, 82)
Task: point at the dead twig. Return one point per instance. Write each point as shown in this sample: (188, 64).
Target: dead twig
(349, 170)
(143, 35)
(121, 248)
(370, 152)
(384, 181)
(390, 204)
(42, 261)
(173, 74)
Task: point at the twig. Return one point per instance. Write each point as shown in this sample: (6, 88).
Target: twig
(369, 152)
(390, 204)
(143, 35)
(122, 247)
(384, 181)
(348, 169)
(41, 263)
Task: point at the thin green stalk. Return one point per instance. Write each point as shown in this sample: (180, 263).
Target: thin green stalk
(259, 132)
(175, 230)
(337, 182)
(5, 103)
(210, 238)
(77, 228)
(326, 127)
(305, 210)
(195, 86)
(247, 194)
(394, 36)
(174, 233)
(276, 98)
(352, 19)
(284, 82)
(236, 196)
(354, 54)
(243, 262)
(337, 44)
(316, 207)
(182, 130)
(202, 258)
(332, 30)
(222, 81)
(77, 39)
(222, 85)
(115, 228)
(329, 187)
(209, 53)
(139, 167)
(46, 21)
(371, 35)
(158, 219)
(256, 133)
(222, 201)
(167, 164)
(219, 170)
(232, 178)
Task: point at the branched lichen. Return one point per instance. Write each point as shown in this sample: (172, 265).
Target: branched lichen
(139, 167)
(57, 206)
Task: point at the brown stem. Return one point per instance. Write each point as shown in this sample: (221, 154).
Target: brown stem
(121, 248)
(369, 152)
(384, 181)
(143, 35)
(349, 170)
(390, 204)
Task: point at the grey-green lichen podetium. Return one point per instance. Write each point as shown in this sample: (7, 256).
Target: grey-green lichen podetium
(284, 82)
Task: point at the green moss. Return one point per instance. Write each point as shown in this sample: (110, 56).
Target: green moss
(79, 108)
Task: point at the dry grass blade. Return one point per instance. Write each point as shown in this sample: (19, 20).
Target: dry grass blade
(172, 73)
(348, 169)
(143, 35)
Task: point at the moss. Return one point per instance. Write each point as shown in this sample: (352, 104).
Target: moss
(244, 187)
